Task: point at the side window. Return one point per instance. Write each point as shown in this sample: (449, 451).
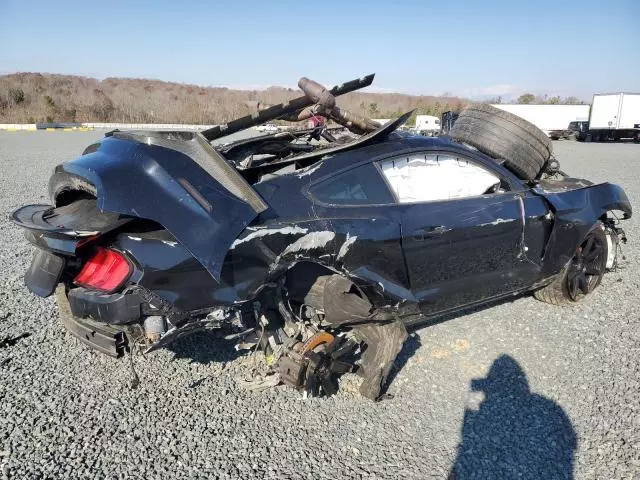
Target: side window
(430, 177)
(359, 186)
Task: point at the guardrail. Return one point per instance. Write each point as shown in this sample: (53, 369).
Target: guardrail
(147, 126)
(12, 127)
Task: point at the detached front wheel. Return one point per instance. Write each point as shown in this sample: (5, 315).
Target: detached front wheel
(583, 273)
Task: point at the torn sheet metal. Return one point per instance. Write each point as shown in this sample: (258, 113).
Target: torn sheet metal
(344, 303)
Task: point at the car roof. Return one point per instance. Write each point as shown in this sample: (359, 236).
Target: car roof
(396, 143)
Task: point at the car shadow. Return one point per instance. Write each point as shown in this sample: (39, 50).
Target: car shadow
(207, 346)
(203, 347)
(410, 347)
(514, 433)
(421, 322)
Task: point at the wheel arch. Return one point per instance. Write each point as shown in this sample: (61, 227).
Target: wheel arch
(66, 188)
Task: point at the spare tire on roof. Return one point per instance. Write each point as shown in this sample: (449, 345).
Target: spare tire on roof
(524, 148)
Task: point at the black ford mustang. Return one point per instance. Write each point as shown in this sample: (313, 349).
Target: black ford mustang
(316, 250)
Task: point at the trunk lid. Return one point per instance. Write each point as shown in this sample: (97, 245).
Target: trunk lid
(58, 233)
(64, 229)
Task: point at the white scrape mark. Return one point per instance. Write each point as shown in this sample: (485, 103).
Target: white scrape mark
(137, 239)
(170, 243)
(309, 170)
(309, 241)
(269, 231)
(346, 245)
(498, 221)
(79, 233)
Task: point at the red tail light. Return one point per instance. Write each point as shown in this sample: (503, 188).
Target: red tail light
(105, 271)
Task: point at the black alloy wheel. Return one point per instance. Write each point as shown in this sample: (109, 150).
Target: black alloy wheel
(587, 266)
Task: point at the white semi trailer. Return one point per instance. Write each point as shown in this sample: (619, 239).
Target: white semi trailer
(551, 119)
(613, 117)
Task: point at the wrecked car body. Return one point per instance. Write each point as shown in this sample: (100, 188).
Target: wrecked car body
(320, 252)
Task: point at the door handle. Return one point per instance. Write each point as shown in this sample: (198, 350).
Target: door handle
(429, 232)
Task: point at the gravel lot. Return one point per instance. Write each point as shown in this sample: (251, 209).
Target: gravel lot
(66, 412)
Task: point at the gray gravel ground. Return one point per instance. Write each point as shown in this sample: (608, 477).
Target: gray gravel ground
(66, 412)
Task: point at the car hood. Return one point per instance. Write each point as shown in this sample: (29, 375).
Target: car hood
(175, 179)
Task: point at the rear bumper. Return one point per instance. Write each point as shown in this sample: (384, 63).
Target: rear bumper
(114, 309)
(106, 339)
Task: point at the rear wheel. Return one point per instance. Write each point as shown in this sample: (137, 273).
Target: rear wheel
(524, 148)
(583, 273)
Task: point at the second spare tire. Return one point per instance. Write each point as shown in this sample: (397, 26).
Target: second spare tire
(523, 147)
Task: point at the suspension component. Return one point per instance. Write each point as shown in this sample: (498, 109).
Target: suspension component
(315, 365)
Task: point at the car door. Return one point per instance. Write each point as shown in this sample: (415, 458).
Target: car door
(462, 229)
(358, 207)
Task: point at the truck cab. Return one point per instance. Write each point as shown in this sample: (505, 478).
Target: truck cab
(578, 130)
(427, 125)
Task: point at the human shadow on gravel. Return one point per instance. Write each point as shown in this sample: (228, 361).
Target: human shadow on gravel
(515, 433)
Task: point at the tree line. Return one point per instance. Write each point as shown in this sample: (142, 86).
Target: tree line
(530, 98)
(36, 97)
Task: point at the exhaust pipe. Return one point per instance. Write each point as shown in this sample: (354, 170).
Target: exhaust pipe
(292, 108)
(325, 105)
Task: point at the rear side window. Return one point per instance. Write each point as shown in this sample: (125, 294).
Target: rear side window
(359, 186)
(432, 177)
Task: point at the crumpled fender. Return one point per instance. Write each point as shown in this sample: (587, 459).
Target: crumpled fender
(576, 212)
(594, 199)
(169, 187)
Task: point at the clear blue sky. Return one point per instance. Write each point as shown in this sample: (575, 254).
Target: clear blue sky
(465, 47)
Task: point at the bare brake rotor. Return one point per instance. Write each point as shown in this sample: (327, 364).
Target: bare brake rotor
(320, 338)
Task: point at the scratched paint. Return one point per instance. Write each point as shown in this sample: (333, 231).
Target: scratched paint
(309, 170)
(498, 221)
(346, 245)
(291, 230)
(309, 242)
